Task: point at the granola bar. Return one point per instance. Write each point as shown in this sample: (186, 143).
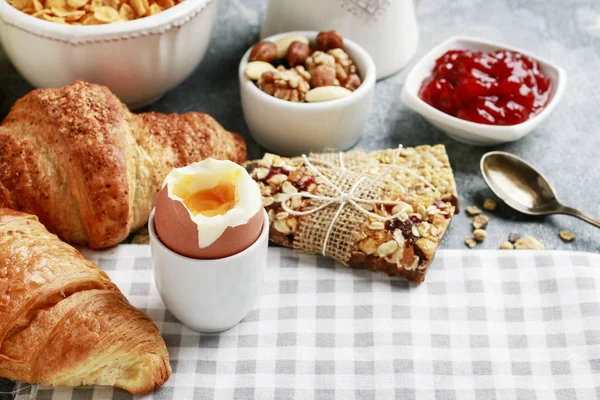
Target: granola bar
(420, 188)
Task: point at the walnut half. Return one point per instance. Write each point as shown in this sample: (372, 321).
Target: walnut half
(286, 84)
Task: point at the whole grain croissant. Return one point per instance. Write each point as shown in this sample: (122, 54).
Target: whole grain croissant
(63, 322)
(89, 168)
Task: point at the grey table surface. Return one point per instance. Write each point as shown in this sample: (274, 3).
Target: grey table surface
(565, 147)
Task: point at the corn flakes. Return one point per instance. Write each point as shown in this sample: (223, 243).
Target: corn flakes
(91, 12)
(77, 3)
(126, 12)
(155, 9)
(106, 14)
(141, 7)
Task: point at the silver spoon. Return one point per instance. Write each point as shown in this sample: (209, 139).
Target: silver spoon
(523, 187)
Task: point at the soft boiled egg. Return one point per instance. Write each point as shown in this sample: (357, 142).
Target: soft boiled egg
(208, 210)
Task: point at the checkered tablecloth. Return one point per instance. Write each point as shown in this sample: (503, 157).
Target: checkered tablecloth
(484, 325)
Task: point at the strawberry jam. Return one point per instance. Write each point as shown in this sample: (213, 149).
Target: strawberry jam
(498, 88)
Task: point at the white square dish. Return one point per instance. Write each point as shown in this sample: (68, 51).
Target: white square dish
(470, 132)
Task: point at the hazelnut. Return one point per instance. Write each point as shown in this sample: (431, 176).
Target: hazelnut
(263, 51)
(297, 53)
(323, 75)
(329, 40)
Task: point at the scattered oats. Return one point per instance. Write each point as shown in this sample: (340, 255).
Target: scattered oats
(480, 235)
(567, 236)
(489, 204)
(470, 242)
(513, 237)
(529, 243)
(506, 246)
(473, 210)
(480, 221)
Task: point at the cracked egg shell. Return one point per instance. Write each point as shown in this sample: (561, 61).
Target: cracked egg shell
(201, 237)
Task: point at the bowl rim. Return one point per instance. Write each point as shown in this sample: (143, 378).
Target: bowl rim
(368, 80)
(154, 24)
(264, 236)
(411, 99)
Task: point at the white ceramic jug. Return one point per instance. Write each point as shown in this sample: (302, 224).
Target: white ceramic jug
(387, 29)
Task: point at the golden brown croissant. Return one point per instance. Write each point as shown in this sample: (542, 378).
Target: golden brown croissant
(89, 168)
(63, 322)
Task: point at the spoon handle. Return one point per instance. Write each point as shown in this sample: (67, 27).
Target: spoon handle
(581, 215)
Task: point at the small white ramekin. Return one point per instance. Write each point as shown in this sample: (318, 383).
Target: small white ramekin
(210, 295)
(466, 131)
(138, 60)
(289, 128)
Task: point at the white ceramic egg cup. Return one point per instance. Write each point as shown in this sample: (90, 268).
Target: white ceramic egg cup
(210, 295)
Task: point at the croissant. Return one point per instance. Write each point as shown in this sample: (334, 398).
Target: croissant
(89, 168)
(63, 322)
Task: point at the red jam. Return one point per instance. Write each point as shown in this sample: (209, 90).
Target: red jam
(498, 88)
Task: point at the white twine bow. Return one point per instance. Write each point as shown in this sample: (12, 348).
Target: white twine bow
(352, 197)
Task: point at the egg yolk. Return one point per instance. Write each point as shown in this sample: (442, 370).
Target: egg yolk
(214, 201)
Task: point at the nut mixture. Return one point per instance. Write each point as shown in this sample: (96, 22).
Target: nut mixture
(291, 70)
(91, 12)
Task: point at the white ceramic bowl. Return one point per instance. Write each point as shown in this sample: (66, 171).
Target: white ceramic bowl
(289, 128)
(210, 295)
(138, 60)
(467, 131)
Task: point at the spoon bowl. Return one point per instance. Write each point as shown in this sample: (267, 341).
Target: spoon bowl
(523, 187)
